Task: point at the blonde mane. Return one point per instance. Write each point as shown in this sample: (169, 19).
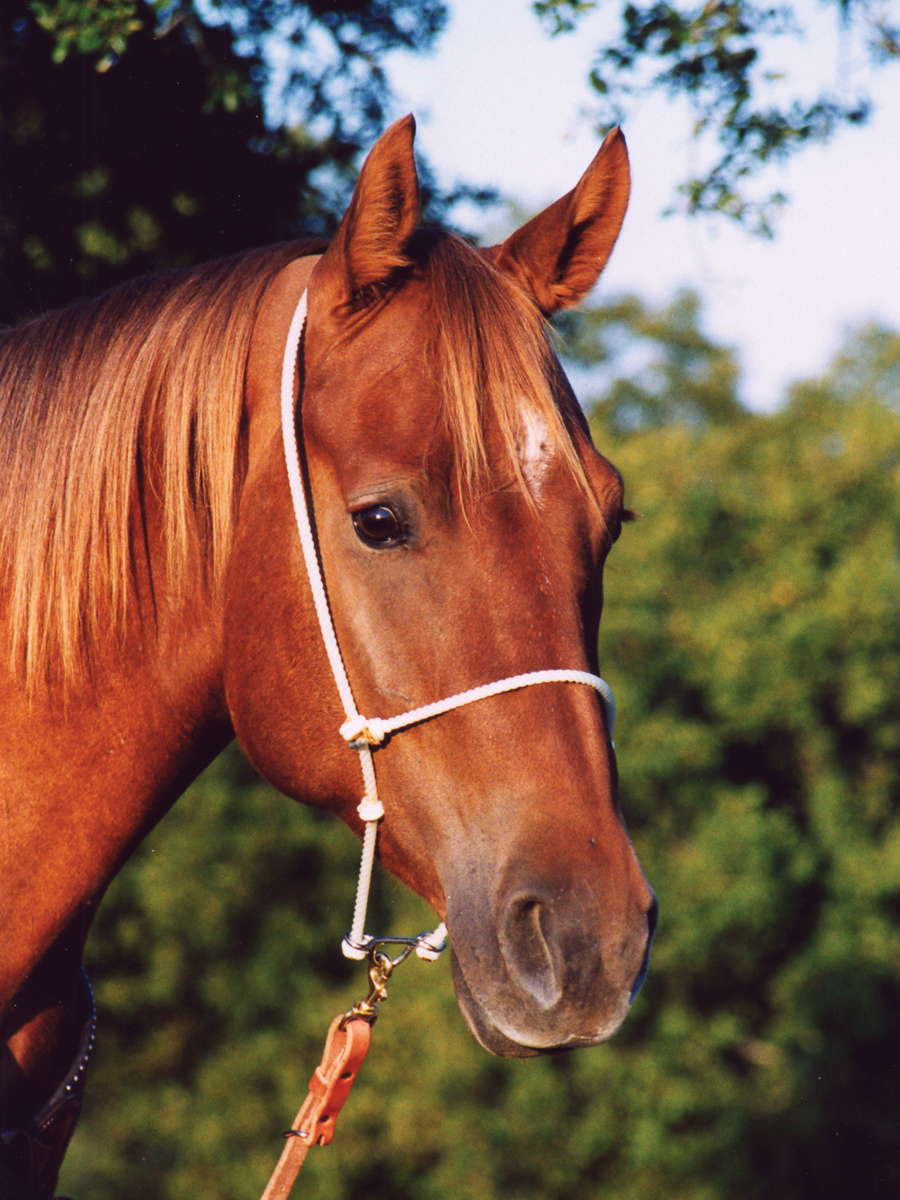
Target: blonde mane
(139, 389)
(140, 393)
(497, 370)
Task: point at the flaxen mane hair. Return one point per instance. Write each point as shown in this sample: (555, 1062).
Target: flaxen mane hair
(140, 393)
(142, 388)
(492, 355)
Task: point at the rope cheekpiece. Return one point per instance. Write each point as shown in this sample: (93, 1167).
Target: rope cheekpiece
(364, 733)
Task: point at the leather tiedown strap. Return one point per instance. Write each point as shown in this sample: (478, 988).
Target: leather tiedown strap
(345, 1048)
(30, 1158)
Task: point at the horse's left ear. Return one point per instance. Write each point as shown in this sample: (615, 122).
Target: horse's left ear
(558, 256)
(371, 240)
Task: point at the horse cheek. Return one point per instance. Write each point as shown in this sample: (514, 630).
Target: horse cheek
(278, 687)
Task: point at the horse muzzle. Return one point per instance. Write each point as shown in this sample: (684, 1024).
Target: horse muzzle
(557, 969)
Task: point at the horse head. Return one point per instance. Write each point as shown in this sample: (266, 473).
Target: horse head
(462, 518)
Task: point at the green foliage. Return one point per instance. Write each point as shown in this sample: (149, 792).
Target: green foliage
(88, 27)
(751, 635)
(722, 57)
(657, 368)
(137, 136)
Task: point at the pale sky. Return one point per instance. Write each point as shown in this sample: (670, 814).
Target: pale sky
(501, 103)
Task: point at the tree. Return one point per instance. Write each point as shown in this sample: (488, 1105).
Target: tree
(674, 375)
(137, 136)
(751, 635)
(722, 57)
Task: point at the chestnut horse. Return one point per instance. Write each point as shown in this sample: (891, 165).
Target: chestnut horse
(155, 604)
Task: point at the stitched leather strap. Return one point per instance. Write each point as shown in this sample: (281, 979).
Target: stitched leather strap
(35, 1153)
(345, 1049)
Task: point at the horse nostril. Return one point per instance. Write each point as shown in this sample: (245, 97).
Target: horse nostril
(526, 951)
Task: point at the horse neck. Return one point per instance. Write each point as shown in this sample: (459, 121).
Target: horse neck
(144, 714)
(89, 769)
(94, 757)
(90, 763)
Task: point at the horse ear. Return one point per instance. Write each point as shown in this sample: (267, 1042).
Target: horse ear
(370, 243)
(558, 256)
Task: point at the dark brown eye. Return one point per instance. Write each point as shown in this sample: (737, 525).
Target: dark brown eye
(378, 526)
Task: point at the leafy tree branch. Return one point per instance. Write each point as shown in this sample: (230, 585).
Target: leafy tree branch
(722, 57)
(139, 136)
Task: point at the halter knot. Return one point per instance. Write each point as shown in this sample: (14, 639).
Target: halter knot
(370, 810)
(363, 731)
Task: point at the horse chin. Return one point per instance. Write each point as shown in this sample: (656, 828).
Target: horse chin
(502, 1038)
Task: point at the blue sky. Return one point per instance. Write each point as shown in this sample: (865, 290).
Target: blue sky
(501, 103)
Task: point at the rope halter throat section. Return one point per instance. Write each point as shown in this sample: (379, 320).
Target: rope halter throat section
(365, 733)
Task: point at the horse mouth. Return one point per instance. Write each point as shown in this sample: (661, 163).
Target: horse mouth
(543, 980)
(511, 1034)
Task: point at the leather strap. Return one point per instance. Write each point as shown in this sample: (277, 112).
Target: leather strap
(345, 1048)
(35, 1153)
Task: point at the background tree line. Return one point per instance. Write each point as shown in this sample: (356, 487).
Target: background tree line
(145, 134)
(137, 136)
(750, 633)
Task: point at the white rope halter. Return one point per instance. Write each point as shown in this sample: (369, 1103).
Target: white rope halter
(362, 733)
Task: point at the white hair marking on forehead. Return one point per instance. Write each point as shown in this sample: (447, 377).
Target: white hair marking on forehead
(536, 451)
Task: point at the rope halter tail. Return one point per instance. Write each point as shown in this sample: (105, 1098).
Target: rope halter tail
(363, 733)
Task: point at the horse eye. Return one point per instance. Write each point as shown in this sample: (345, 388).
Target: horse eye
(378, 526)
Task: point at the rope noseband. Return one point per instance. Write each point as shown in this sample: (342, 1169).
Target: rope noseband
(364, 733)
